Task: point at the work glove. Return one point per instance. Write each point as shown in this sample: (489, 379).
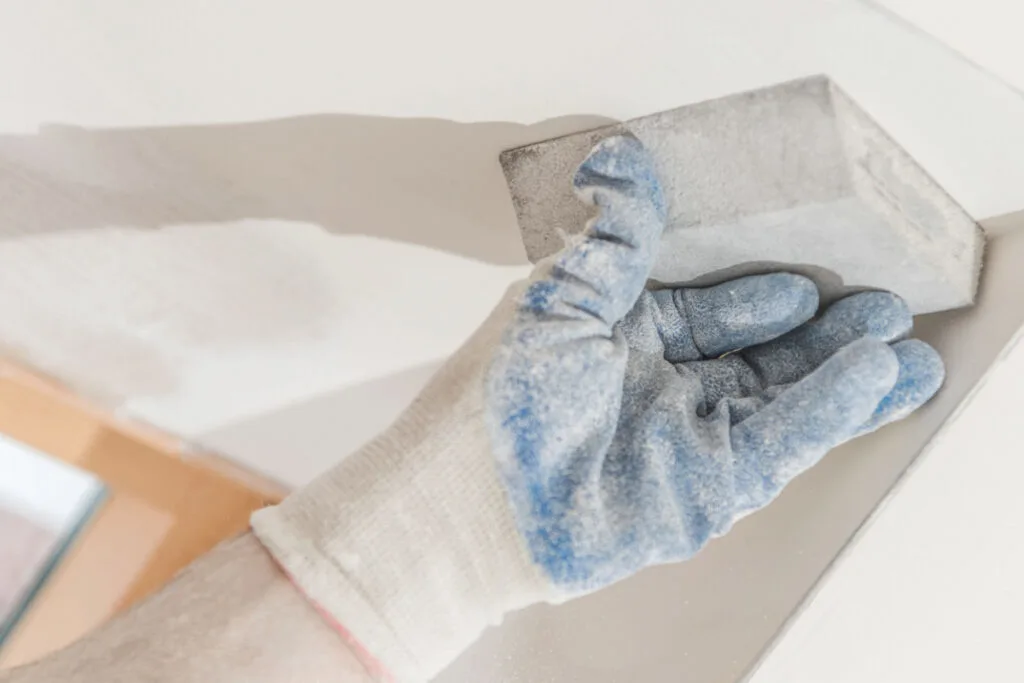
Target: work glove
(589, 429)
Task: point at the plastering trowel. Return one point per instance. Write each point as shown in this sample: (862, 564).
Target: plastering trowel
(794, 177)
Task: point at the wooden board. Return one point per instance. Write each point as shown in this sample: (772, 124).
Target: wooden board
(164, 509)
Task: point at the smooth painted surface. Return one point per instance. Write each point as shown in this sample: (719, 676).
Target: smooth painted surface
(118, 63)
(987, 32)
(930, 590)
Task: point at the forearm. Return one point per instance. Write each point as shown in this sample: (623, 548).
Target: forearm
(231, 616)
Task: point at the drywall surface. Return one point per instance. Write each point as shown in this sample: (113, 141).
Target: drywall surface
(189, 326)
(987, 32)
(930, 590)
(118, 63)
(203, 277)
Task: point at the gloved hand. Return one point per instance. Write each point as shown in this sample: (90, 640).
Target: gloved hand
(589, 429)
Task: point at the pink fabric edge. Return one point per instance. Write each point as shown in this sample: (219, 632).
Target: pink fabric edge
(372, 665)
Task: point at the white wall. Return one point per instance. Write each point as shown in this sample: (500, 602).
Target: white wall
(986, 32)
(117, 63)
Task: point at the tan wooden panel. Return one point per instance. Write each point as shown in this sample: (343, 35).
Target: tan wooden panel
(41, 418)
(89, 585)
(165, 508)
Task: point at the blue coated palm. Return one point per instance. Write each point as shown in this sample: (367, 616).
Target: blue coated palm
(632, 426)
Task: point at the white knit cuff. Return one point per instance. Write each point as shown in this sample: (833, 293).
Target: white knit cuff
(409, 544)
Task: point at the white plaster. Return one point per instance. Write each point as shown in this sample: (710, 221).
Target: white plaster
(128, 63)
(191, 327)
(987, 32)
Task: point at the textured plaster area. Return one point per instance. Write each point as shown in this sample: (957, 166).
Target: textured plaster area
(793, 176)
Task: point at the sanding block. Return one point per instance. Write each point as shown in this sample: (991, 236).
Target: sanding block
(791, 177)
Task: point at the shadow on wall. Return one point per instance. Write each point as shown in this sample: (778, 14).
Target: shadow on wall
(430, 182)
(182, 253)
(313, 429)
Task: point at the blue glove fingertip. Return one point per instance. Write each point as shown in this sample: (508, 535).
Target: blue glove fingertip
(810, 418)
(601, 275)
(623, 164)
(748, 311)
(876, 315)
(881, 316)
(921, 375)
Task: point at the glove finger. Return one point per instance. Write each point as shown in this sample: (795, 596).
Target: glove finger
(921, 375)
(601, 275)
(804, 422)
(882, 316)
(688, 324)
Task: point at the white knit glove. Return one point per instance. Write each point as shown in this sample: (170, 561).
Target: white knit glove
(589, 429)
